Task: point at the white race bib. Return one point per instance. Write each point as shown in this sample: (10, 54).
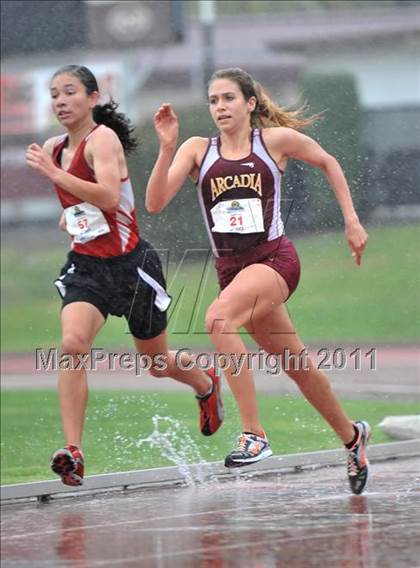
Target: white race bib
(85, 222)
(238, 216)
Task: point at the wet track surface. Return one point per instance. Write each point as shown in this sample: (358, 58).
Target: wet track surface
(304, 519)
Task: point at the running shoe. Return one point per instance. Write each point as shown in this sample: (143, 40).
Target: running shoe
(211, 407)
(357, 462)
(68, 463)
(250, 449)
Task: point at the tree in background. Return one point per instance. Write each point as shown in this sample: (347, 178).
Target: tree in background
(336, 96)
(179, 226)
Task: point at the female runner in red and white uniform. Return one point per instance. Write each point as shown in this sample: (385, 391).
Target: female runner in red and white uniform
(110, 269)
(238, 176)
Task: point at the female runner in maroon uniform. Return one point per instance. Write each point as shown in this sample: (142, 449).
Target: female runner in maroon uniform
(110, 269)
(238, 177)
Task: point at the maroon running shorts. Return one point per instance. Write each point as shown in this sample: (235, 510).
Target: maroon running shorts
(280, 254)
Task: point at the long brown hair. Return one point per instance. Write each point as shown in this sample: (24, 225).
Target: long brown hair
(267, 112)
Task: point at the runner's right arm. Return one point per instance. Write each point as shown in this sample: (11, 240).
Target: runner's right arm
(105, 193)
(48, 146)
(169, 172)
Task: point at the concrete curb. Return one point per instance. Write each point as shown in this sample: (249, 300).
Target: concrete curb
(44, 490)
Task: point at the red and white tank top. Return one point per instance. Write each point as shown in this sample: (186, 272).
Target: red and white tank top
(240, 199)
(123, 233)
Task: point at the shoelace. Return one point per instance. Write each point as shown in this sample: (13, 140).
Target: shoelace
(242, 443)
(352, 465)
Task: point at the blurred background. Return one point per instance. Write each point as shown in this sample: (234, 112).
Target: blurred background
(357, 61)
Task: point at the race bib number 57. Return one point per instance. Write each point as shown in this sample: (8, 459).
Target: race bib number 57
(85, 222)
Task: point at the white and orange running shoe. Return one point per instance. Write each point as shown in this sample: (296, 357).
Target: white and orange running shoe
(250, 449)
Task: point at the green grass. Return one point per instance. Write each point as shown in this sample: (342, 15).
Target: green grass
(380, 300)
(117, 421)
(335, 301)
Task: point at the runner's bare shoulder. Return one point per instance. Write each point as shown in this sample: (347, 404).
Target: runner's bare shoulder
(50, 144)
(197, 145)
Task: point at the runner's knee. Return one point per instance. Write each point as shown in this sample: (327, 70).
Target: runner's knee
(74, 344)
(219, 318)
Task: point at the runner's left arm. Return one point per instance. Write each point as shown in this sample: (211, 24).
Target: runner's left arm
(294, 144)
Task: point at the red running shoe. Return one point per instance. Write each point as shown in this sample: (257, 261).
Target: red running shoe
(211, 407)
(68, 463)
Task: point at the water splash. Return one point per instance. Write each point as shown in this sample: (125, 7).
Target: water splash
(174, 442)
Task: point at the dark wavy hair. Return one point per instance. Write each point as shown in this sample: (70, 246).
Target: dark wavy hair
(103, 114)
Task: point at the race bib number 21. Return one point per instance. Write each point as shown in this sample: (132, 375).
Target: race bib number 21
(238, 216)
